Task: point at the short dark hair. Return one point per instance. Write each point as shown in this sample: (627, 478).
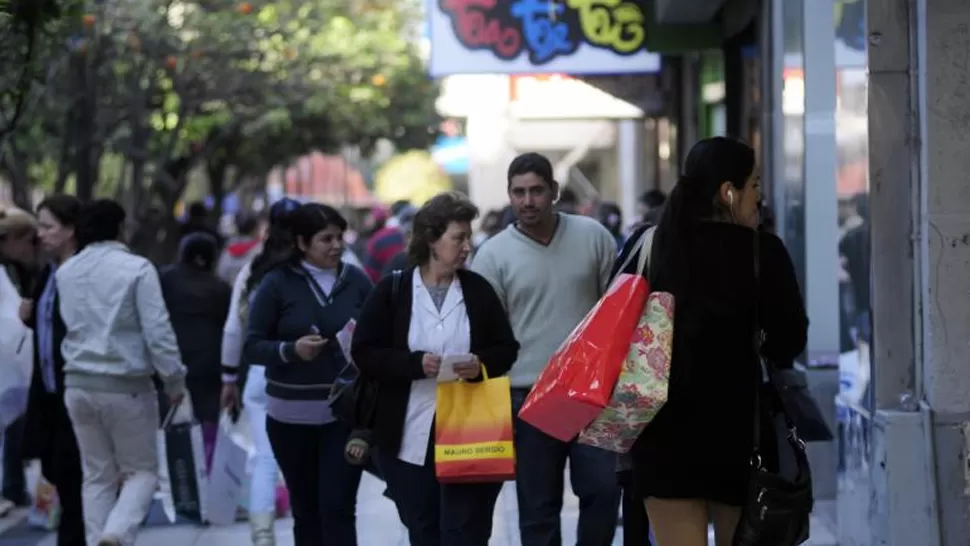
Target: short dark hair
(568, 197)
(531, 162)
(246, 222)
(399, 205)
(653, 198)
(197, 209)
(432, 220)
(99, 221)
(66, 208)
(312, 218)
(199, 250)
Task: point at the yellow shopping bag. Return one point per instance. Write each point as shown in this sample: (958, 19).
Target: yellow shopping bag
(473, 432)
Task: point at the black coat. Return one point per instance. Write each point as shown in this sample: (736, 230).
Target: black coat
(48, 433)
(198, 303)
(699, 445)
(380, 346)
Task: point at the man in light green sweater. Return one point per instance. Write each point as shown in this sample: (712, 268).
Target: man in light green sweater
(549, 269)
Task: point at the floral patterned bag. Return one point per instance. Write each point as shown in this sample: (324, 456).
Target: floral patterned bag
(641, 389)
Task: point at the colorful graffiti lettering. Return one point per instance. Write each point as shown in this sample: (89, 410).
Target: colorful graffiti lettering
(615, 24)
(547, 29)
(546, 38)
(477, 28)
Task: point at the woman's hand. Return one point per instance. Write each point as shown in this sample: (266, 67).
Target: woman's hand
(431, 363)
(229, 397)
(308, 347)
(469, 370)
(26, 309)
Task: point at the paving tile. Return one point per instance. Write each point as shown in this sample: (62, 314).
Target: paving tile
(378, 525)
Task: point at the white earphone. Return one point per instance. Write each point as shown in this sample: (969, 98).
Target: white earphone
(731, 198)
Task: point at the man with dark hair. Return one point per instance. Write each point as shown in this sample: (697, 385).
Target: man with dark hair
(650, 206)
(549, 269)
(118, 335)
(197, 219)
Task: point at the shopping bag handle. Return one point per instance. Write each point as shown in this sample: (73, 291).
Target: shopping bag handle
(171, 414)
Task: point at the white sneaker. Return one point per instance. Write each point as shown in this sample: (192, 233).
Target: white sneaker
(6, 507)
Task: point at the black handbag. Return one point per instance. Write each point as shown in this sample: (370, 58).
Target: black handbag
(800, 405)
(353, 397)
(778, 504)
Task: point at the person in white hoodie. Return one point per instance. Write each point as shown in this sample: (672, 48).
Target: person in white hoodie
(118, 334)
(262, 492)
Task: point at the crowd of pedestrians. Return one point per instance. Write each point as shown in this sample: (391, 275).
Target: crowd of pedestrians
(255, 323)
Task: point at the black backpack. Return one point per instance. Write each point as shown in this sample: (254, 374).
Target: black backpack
(353, 397)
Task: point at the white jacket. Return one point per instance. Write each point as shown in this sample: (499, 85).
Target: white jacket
(118, 328)
(16, 353)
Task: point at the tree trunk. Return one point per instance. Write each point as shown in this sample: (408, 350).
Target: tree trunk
(14, 163)
(64, 160)
(217, 185)
(86, 158)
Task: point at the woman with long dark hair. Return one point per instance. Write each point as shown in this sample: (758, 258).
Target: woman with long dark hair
(48, 433)
(276, 248)
(297, 311)
(692, 463)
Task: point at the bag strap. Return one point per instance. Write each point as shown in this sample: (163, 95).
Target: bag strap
(642, 249)
(756, 339)
(396, 278)
(764, 372)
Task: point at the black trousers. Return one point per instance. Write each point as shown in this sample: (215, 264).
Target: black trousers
(636, 524)
(322, 485)
(61, 465)
(439, 514)
(70, 531)
(14, 487)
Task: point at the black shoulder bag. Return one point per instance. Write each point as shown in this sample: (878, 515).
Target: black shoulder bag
(777, 509)
(353, 397)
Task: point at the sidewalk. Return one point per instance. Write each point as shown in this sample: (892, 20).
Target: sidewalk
(377, 525)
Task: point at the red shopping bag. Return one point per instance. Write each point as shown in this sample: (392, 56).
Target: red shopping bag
(578, 382)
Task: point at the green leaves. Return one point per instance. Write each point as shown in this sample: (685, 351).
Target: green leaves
(252, 84)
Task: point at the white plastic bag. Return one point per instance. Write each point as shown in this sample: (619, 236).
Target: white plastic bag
(182, 482)
(16, 354)
(228, 475)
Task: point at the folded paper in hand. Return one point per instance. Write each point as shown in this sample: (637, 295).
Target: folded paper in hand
(345, 336)
(447, 373)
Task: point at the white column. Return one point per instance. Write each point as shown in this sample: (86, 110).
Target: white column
(821, 200)
(489, 151)
(631, 160)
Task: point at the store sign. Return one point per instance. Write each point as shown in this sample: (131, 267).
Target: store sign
(539, 36)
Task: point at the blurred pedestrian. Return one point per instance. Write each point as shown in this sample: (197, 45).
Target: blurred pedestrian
(48, 432)
(241, 248)
(118, 335)
(19, 259)
(611, 217)
(198, 303)
(236, 370)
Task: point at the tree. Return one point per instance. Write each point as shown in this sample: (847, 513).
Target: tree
(157, 88)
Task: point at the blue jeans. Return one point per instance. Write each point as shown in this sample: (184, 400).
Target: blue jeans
(540, 470)
(322, 485)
